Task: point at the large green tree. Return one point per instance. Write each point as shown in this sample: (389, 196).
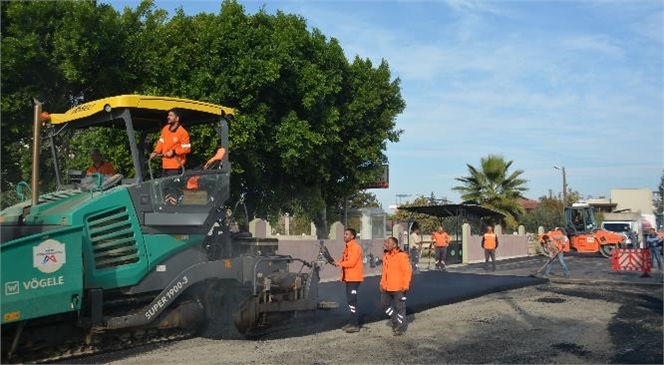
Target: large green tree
(311, 127)
(493, 186)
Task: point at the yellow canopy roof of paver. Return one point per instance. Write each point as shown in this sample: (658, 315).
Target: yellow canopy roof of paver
(150, 107)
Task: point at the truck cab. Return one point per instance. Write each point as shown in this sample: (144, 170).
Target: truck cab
(628, 224)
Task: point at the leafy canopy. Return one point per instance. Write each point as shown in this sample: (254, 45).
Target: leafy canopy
(312, 126)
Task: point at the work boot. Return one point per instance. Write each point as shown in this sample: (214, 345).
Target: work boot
(352, 328)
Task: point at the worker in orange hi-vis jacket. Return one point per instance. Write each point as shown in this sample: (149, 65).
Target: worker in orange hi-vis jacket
(99, 165)
(558, 243)
(173, 145)
(490, 244)
(352, 273)
(394, 284)
(441, 240)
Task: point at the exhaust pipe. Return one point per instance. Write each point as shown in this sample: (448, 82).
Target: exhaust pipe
(36, 146)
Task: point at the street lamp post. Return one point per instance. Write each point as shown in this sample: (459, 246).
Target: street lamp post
(564, 183)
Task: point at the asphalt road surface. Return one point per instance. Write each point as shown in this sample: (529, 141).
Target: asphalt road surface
(465, 315)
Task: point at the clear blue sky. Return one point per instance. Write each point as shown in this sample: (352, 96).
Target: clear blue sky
(572, 83)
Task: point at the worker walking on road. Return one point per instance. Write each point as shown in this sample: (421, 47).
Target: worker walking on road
(441, 240)
(352, 273)
(490, 244)
(394, 285)
(654, 242)
(557, 244)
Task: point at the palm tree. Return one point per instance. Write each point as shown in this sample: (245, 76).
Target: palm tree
(493, 187)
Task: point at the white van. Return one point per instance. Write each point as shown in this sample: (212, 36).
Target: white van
(626, 228)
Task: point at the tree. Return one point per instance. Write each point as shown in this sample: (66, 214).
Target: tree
(494, 187)
(549, 212)
(312, 126)
(426, 222)
(659, 203)
(363, 199)
(60, 53)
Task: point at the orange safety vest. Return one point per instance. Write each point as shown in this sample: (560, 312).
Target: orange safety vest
(441, 239)
(178, 142)
(105, 169)
(352, 267)
(490, 241)
(561, 241)
(397, 271)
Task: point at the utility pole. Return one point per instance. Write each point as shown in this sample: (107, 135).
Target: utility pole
(564, 184)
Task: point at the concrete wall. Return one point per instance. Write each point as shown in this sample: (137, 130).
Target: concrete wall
(509, 246)
(306, 248)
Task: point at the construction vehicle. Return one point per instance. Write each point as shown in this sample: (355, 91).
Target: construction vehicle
(583, 234)
(628, 224)
(111, 263)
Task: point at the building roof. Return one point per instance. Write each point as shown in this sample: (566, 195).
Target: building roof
(528, 204)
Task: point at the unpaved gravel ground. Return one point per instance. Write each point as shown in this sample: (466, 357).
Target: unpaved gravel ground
(548, 323)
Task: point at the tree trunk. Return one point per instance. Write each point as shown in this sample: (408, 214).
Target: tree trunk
(321, 224)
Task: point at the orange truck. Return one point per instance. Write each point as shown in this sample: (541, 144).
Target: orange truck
(583, 233)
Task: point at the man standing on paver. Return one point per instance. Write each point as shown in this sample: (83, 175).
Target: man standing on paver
(489, 244)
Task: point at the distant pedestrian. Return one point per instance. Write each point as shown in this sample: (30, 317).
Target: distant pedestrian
(352, 273)
(654, 242)
(557, 243)
(415, 246)
(633, 238)
(441, 240)
(394, 285)
(490, 244)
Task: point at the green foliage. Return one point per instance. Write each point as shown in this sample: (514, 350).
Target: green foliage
(363, 199)
(312, 126)
(426, 222)
(493, 186)
(548, 214)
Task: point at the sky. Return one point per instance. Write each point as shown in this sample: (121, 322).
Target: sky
(575, 84)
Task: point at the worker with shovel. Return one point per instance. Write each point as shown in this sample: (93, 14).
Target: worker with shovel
(557, 242)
